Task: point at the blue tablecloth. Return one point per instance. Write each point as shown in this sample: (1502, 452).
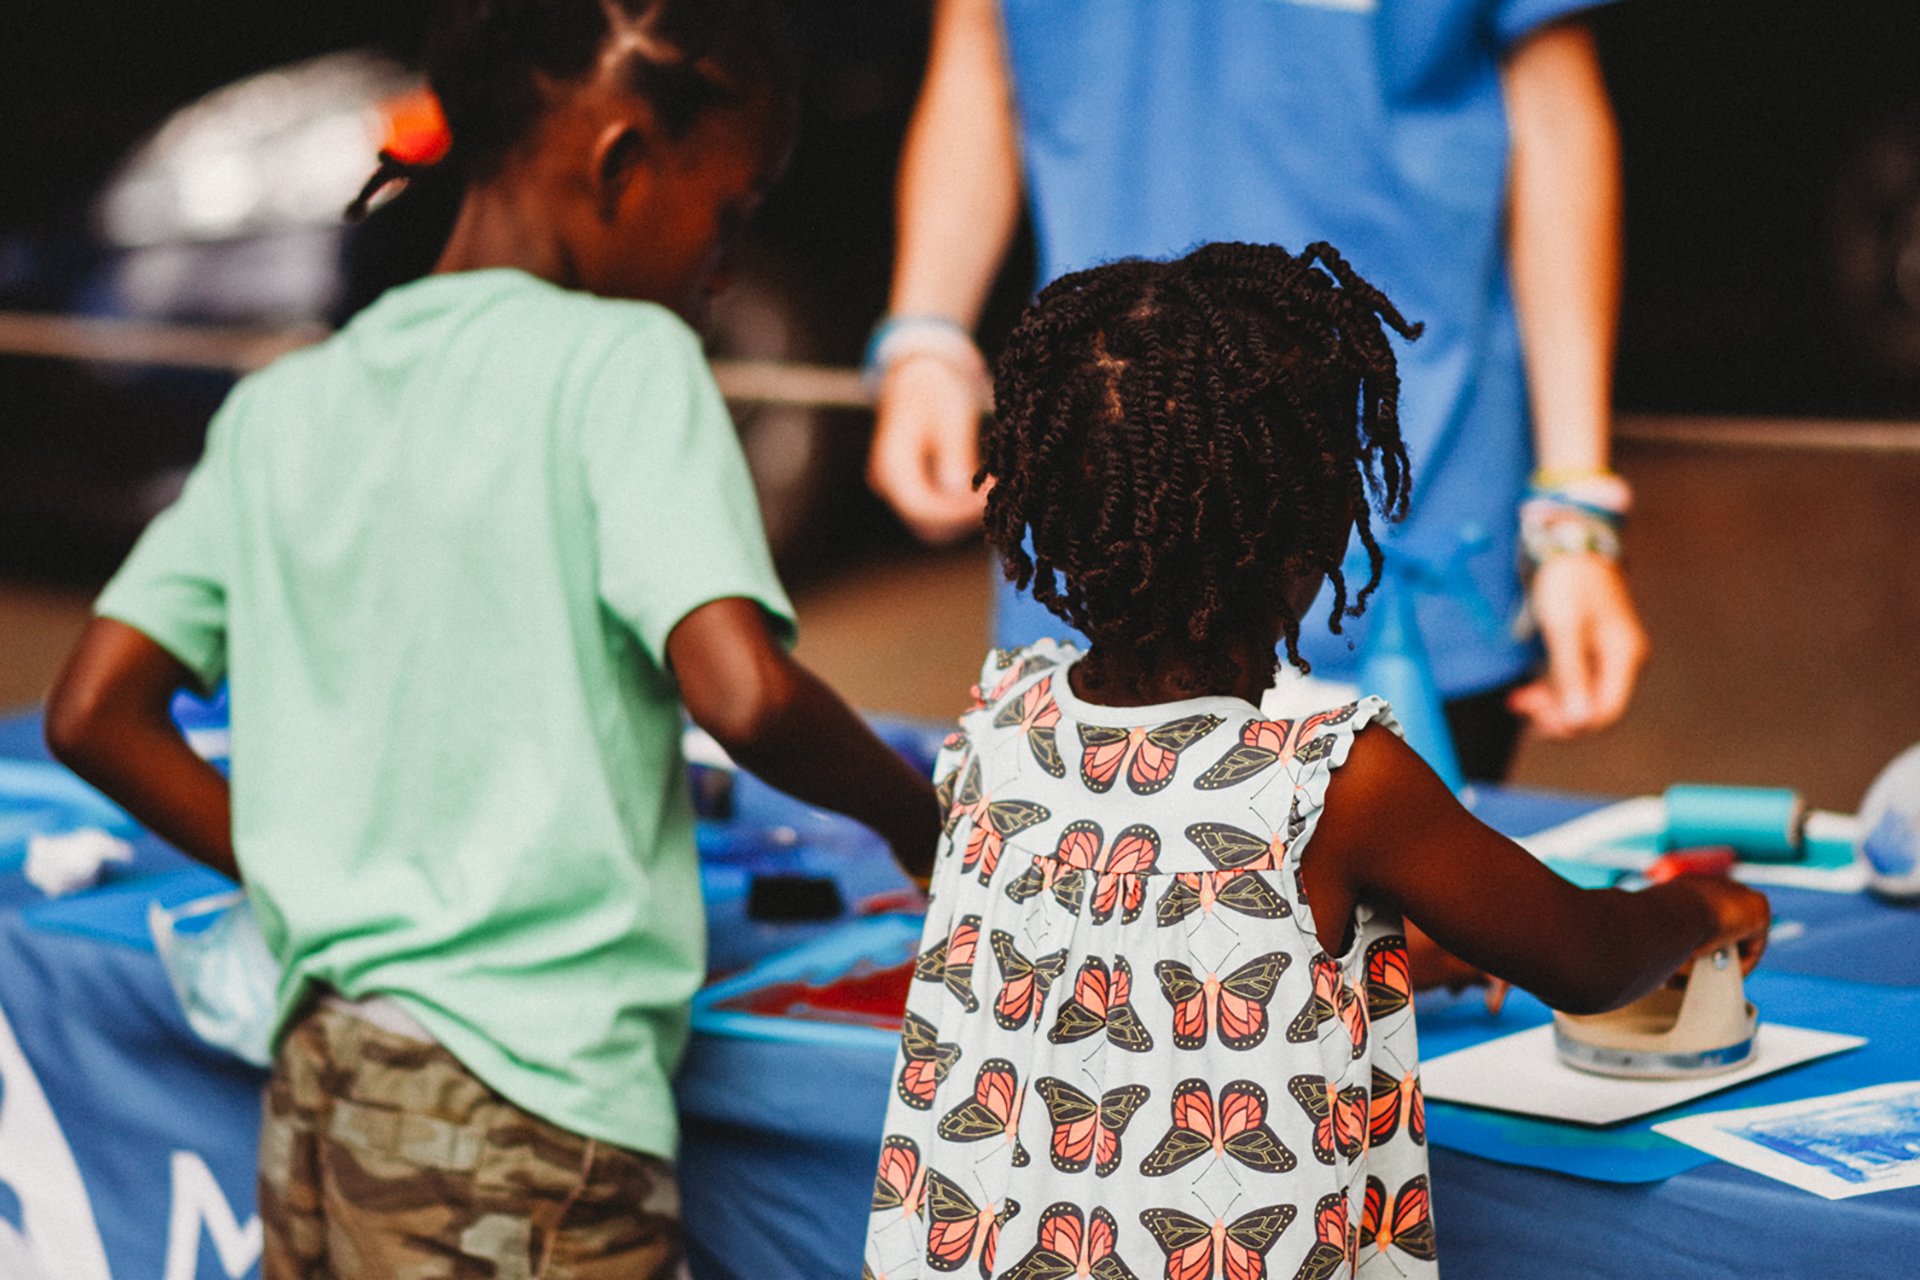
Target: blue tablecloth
(134, 1144)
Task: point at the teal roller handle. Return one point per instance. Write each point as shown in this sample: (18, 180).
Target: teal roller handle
(1762, 824)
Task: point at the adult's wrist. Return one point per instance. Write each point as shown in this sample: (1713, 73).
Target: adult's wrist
(898, 338)
(1573, 512)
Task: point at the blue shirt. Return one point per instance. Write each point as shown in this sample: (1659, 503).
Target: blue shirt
(1150, 126)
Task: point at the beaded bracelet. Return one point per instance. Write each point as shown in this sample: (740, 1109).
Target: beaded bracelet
(1579, 512)
(1546, 535)
(935, 337)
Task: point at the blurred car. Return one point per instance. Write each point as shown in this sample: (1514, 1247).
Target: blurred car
(228, 215)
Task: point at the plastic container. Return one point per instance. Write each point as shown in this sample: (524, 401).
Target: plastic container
(1890, 829)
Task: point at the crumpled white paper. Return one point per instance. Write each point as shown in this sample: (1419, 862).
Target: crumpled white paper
(72, 860)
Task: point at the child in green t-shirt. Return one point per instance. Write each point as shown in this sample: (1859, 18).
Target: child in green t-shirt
(462, 565)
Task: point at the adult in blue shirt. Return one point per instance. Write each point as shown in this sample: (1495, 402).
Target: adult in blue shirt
(1460, 153)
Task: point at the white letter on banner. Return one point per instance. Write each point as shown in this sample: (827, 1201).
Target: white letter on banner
(198, 1199)
(35, 1161)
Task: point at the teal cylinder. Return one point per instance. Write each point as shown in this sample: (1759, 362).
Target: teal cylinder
(1762, 824)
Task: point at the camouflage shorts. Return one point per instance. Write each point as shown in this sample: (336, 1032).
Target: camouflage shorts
(381, 1156)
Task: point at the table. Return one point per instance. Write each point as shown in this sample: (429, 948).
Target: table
(126, 1147)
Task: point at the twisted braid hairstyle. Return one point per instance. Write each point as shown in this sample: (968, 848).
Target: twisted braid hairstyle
(493, 63)
(1182, 442)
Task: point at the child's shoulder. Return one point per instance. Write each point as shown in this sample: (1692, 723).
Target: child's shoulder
(1333, 743)
(1002, 669)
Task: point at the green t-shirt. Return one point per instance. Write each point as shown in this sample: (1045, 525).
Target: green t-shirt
(437, 557)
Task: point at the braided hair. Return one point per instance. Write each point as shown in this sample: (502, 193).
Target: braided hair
(489, 62)
(1181, 442)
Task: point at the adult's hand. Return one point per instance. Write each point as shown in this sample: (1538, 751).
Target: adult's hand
(1595, 646)
(926, 448)
(958, 205)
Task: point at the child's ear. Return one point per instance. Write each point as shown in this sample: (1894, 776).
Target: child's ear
(619, 153)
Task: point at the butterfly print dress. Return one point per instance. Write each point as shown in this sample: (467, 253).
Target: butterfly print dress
(1126, 1053)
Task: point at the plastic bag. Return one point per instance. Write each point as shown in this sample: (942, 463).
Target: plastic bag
(223, 974)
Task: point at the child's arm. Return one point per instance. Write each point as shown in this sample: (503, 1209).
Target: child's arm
(109, 719)
(778, 720)
(1393, 835)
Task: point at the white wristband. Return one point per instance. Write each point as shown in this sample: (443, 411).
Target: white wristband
(898, 338)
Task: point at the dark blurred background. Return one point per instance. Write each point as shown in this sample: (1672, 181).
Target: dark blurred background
(1773, 273)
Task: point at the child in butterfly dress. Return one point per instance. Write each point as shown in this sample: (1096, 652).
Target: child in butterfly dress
(1163, 1020)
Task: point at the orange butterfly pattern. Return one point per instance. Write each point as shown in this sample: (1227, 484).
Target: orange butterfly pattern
(951, 962)
(954, 748)
(926, 1061)
(1072, 1242)
(1332, 999)
(1235, 1125)
(1119, 869)
(1339, 1116)
(1085, 1131)
(1266, 743)
(1184, 1138)
(992, 1112)
(1036, 714)
(1148, 756)
(1336, 1245)
(961, 1231)
(1233, 1008)
(1403, 1220)
(1396, 1101)
(1102, 1001)
(1229, 848)
(1024, 983)
(1067, 883)
(1201, 891)
(1220, 1250)
(900, 1186)
(1389, 979)
(1008, 670)
(994, 823)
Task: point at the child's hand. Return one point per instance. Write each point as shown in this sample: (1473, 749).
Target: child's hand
(778, 721)
(1741, 917)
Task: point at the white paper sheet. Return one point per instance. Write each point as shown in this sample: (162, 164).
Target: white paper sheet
(1592, 837)
(1522, 1073)
(1845, 1144)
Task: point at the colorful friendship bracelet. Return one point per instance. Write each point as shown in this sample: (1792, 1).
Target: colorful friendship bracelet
(1544, 536)
(1569, 511)
(1604, 493)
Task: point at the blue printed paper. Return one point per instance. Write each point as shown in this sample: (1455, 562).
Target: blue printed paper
(1838, 1146)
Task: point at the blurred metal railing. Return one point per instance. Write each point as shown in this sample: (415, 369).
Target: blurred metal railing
(239, 351)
